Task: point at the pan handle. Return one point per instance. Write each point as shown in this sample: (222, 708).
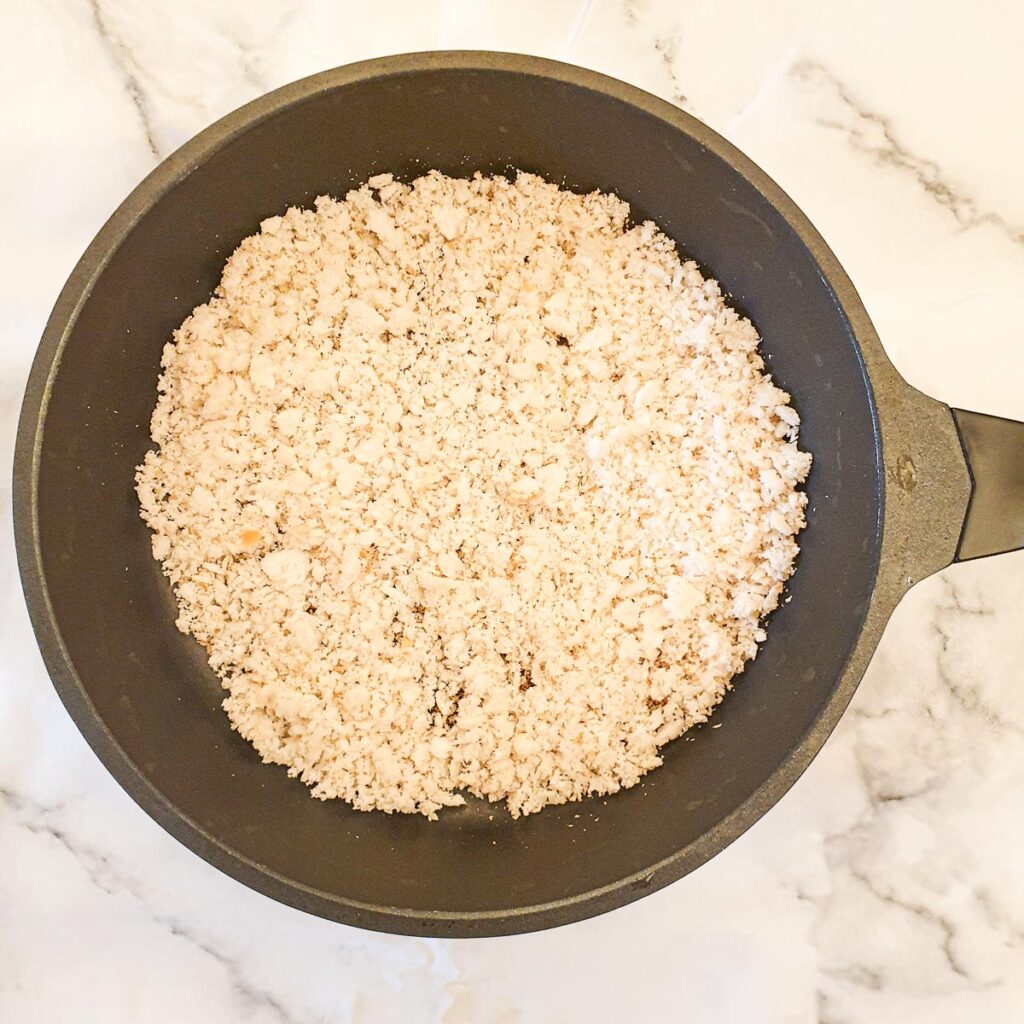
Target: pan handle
(994, 449)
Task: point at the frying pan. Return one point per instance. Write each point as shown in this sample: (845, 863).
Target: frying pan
(901, 487)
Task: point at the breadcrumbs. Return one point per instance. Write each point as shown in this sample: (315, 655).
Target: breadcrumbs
(468, 486)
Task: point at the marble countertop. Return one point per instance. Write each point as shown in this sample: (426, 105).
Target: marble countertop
(888, 885)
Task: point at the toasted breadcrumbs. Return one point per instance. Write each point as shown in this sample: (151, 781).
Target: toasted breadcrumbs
(467, 486)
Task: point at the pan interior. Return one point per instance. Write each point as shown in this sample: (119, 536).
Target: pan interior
(150, 685)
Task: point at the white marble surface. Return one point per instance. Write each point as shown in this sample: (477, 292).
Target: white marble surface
(888, 886)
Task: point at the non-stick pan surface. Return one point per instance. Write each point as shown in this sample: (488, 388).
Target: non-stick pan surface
(142, 693)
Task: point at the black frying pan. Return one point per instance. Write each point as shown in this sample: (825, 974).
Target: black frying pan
(890, 494)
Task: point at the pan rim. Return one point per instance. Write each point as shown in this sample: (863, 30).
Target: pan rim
(73, 693)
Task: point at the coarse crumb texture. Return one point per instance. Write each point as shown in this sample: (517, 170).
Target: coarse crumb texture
(468, 486)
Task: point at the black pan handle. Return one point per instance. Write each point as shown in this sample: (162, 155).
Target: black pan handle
(994, 448)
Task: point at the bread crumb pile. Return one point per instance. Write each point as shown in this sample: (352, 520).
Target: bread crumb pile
(469, 486)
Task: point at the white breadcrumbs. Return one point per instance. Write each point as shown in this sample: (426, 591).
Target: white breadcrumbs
(466, 486)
